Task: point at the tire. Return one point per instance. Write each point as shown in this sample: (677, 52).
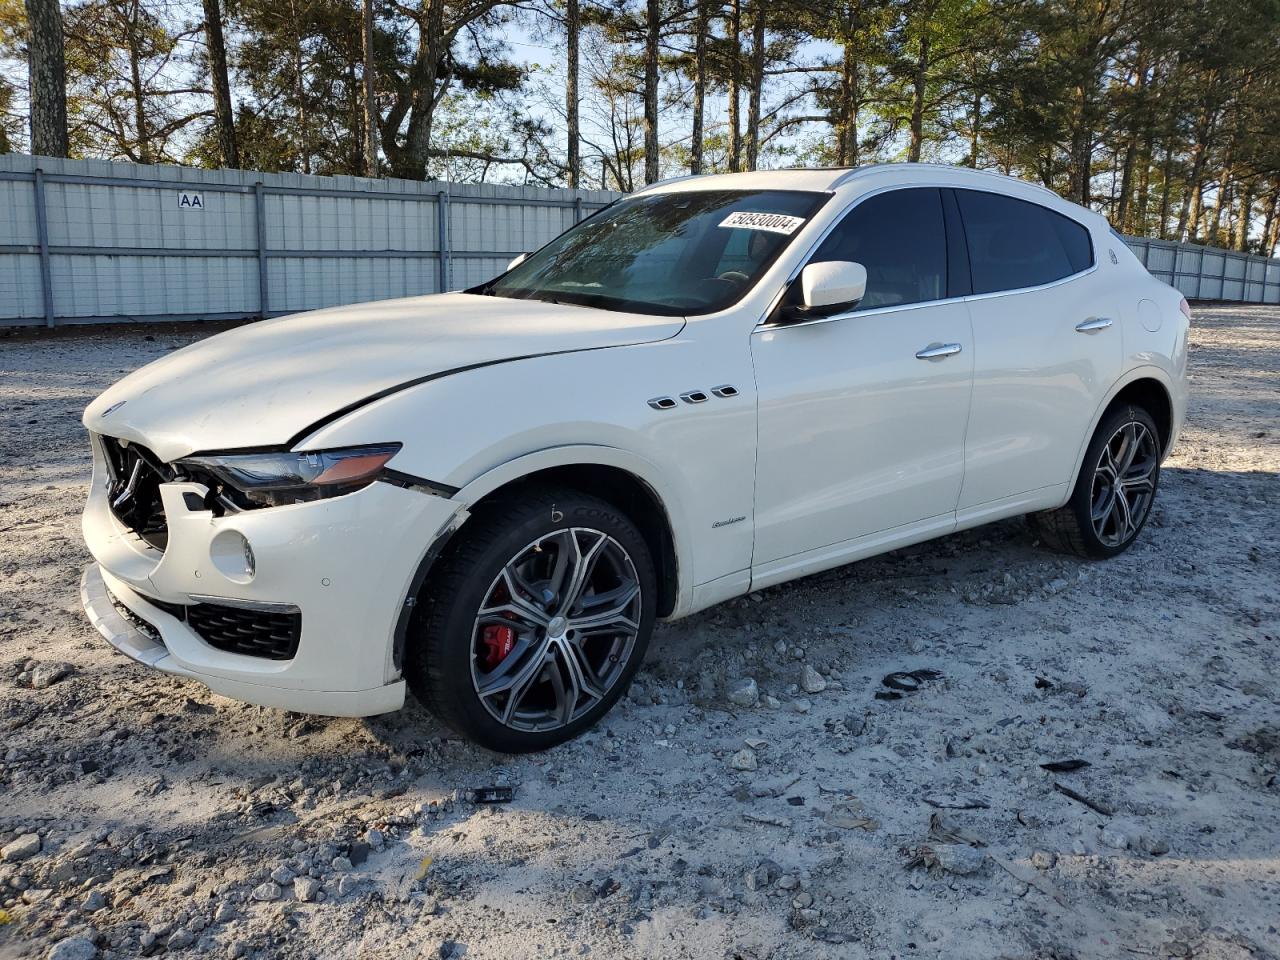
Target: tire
(507, 648)
(1093, 523)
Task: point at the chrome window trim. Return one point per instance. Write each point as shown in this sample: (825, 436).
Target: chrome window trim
(763, 324)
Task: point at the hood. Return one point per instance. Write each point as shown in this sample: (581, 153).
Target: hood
(268, 383)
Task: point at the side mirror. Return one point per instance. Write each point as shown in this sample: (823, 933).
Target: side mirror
(517, 261)
(824, 289)
(827, 287)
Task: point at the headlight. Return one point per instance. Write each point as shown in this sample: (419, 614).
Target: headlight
(274, 479)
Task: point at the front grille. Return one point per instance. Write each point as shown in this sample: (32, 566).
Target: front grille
(133, 489)
(269, 634)
(145, 627)
(253, 633)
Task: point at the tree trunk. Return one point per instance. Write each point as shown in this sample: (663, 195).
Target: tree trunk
(652, 24)
(917, 98)
(846, 119)
(573, 27)
(756, 80)
(735, 82)
(411, 160)
(47, 70)
(701, 27)
(1271, 228)
(370, 104)
(1189, 218)
(300, 94)
(224, 119)
(1131, 147)
(141, 133)
(975, 126)
(1166, 188)
(1245, 217)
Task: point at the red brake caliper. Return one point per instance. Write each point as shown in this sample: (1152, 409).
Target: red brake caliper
(498, 642)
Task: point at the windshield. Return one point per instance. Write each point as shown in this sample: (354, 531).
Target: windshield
(668, 253)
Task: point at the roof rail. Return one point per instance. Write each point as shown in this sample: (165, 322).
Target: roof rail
(671, 180)
(857, 172)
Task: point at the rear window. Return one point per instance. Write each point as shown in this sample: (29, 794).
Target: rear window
(1014, 243)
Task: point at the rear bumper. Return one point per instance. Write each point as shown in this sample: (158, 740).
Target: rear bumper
(346, 563)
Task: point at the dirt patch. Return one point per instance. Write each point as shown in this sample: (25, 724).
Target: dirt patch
(143, 815)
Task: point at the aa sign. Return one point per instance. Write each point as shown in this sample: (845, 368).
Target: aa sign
(190, 201)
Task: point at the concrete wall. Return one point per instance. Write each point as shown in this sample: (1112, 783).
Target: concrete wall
(85, 241)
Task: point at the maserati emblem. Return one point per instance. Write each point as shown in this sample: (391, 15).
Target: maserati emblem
(113, 408)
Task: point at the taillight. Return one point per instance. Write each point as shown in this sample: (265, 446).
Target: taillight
(1185, 308)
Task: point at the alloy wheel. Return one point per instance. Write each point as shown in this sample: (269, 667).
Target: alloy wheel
(1124, 484)
(556, 629)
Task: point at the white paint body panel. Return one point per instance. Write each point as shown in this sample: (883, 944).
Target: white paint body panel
(839, 444)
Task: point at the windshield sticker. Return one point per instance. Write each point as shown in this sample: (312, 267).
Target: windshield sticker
(773, 222)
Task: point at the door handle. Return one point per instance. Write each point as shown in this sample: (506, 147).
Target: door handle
(1093, 324)
(937, 351)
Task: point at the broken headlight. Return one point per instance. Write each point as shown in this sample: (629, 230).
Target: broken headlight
(278, 478)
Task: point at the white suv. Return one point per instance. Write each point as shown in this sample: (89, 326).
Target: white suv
(716, 384)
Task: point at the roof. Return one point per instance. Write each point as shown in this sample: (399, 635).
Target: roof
(830, 179)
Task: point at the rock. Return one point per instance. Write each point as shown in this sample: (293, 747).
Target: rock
(306, 888)
(25, 847)
(266, 891)
(347, 885)
(788, 882)
(451, 950)
(959, 858)
(282, 876)
(762, 876)
(375, 838)
(341, 864)
(94, 902)
(1153, 845)
(180, 939)
(1043, 860)
(811, 680)
(47, 674)
(801, 706)
(73, 948)
(1114, 837)
(743, 692)
(744, 759)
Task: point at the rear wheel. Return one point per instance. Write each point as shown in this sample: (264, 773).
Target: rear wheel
(1114, 490)
(534, 626)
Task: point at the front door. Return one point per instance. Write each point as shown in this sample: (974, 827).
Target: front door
(862, 416)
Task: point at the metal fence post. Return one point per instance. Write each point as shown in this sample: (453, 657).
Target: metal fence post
(442, 240)
(260, 218)
(577, 209)
(42, 238)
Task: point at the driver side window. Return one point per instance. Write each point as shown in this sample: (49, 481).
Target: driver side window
(901, 238)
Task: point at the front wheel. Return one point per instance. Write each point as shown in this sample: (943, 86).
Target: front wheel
(534, 626)
(1114, 490)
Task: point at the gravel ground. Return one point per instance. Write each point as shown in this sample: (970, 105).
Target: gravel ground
(142, 815)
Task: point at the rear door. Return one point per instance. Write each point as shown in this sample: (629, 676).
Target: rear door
(1046, 347)
(862, 415)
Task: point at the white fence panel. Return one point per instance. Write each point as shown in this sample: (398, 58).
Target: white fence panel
(92, 241)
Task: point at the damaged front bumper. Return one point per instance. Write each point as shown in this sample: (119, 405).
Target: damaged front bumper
(344, 565)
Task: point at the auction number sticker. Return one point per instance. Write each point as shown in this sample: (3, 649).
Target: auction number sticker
(773, 222)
